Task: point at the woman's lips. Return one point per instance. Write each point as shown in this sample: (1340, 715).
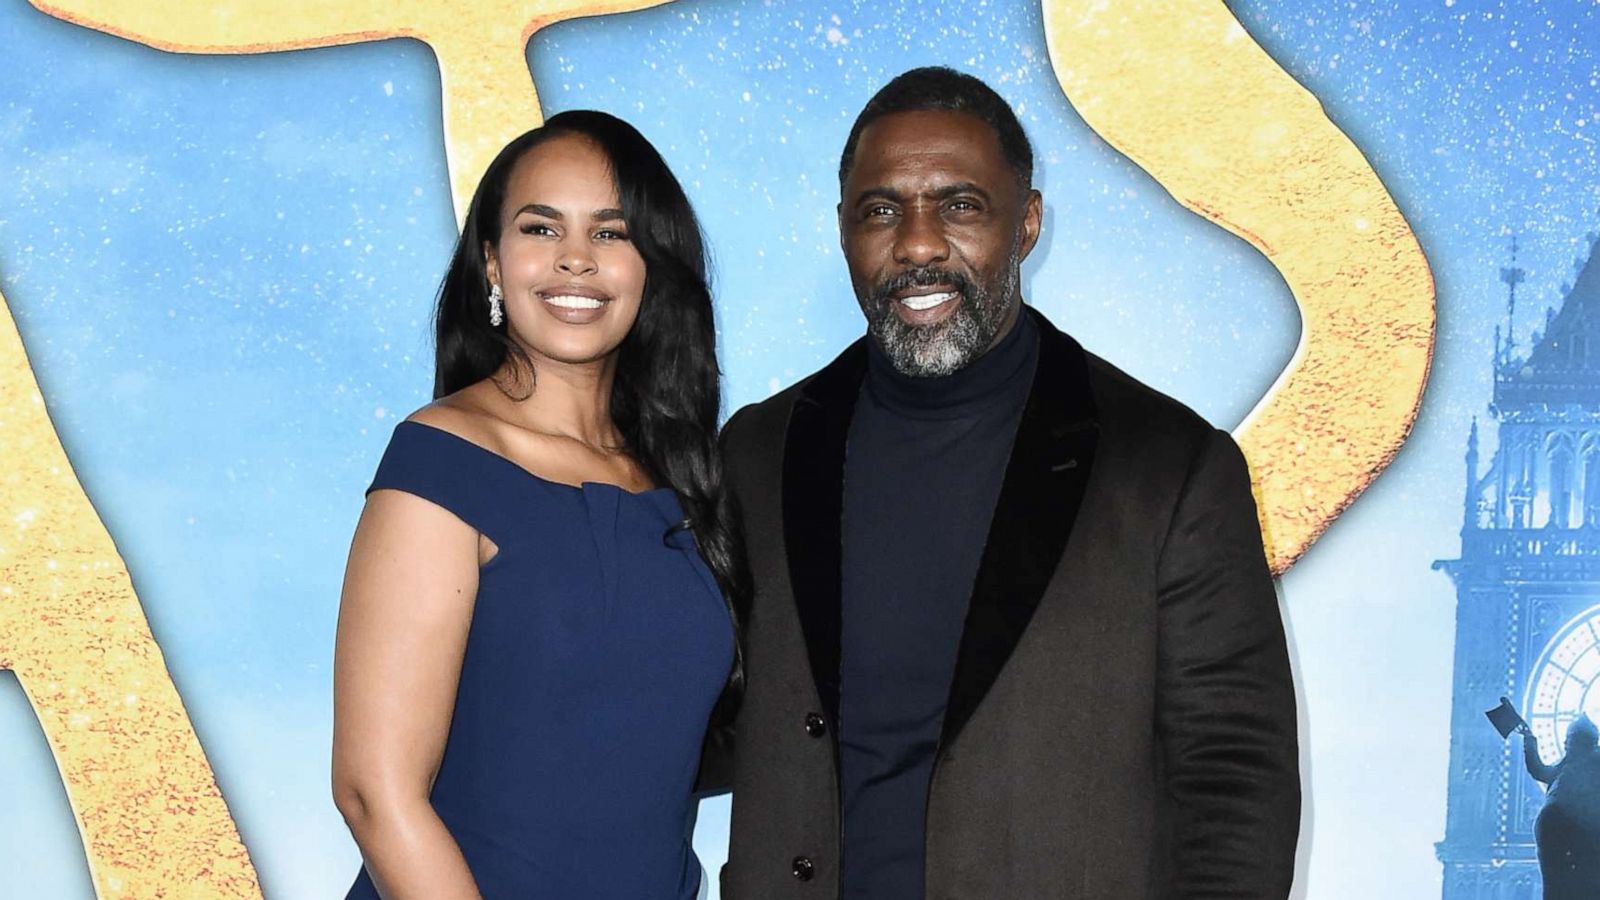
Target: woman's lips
(574, 309)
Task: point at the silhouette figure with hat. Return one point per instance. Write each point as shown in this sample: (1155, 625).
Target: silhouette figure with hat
(1567, 830)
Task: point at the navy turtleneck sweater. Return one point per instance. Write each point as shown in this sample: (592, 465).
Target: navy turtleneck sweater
(922, 474)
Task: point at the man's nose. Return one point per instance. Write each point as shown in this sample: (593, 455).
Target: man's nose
(920, 240)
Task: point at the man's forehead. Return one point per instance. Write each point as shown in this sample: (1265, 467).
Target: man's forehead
(928, 147)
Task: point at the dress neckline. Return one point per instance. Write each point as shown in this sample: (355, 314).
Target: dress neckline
(527, 473)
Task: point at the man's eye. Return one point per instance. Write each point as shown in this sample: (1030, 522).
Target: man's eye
(879, 210)
(963, 205)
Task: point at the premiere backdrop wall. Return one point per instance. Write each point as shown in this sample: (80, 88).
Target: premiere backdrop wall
(221, 227)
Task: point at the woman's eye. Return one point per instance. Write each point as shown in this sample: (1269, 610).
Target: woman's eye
(611, 234)
(538, 228)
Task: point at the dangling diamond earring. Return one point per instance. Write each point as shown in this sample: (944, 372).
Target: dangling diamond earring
(496, 315)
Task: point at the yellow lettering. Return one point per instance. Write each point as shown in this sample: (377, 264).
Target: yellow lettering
(1180, 88)
(1201, 107)
(488, 94)
(71, 627)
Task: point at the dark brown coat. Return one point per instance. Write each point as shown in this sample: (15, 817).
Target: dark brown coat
(1121, 721)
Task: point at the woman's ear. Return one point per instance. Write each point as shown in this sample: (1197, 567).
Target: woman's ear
(491, 263)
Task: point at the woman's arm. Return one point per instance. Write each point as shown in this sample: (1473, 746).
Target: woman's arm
(408, 594)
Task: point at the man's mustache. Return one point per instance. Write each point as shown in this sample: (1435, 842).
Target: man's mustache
(925, 276)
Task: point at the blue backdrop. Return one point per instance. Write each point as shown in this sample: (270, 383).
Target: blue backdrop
(222, 268)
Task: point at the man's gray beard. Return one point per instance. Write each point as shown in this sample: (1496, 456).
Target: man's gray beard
(928, 351)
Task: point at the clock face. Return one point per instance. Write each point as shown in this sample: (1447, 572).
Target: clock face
(1563, 683)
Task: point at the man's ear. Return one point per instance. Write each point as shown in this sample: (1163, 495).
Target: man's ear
(1032, 221)
(838, 214)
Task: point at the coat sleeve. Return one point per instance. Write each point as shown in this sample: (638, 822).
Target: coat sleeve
(716, 762)
(1535, 763)
(1225, 702)
(715, 775)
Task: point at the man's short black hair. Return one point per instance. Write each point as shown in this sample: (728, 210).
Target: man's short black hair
(939, 88)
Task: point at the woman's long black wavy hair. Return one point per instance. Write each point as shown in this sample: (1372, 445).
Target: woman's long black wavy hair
(666, 395)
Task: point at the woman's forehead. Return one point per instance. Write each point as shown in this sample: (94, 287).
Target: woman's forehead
(567, 172)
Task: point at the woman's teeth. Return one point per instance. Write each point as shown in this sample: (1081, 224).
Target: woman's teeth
(567, 301)
(928, 301)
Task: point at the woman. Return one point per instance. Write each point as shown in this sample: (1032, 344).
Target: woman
(535, 623)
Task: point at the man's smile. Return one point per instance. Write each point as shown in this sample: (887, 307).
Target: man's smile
(927, 298)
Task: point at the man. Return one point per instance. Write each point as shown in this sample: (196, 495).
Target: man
(1013, 635)
(1567, 830)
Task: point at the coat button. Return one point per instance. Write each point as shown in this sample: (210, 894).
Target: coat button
(816, 726)
(802, 868)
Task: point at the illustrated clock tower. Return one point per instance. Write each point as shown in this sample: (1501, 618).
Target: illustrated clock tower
(1527, 588)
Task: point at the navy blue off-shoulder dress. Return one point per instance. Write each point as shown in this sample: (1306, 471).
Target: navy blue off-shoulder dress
(599, 643)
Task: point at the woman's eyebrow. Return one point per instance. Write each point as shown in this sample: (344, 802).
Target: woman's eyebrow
(608, 214)
(539, 209)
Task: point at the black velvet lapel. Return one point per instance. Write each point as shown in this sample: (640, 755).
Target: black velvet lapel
(1038, 503)
(1033, 518)
(813, 505)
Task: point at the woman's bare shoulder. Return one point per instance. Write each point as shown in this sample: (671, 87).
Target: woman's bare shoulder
(475, 414)
(465, 415)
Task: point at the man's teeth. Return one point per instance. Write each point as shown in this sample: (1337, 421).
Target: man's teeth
(567, 301)
(928, 301)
